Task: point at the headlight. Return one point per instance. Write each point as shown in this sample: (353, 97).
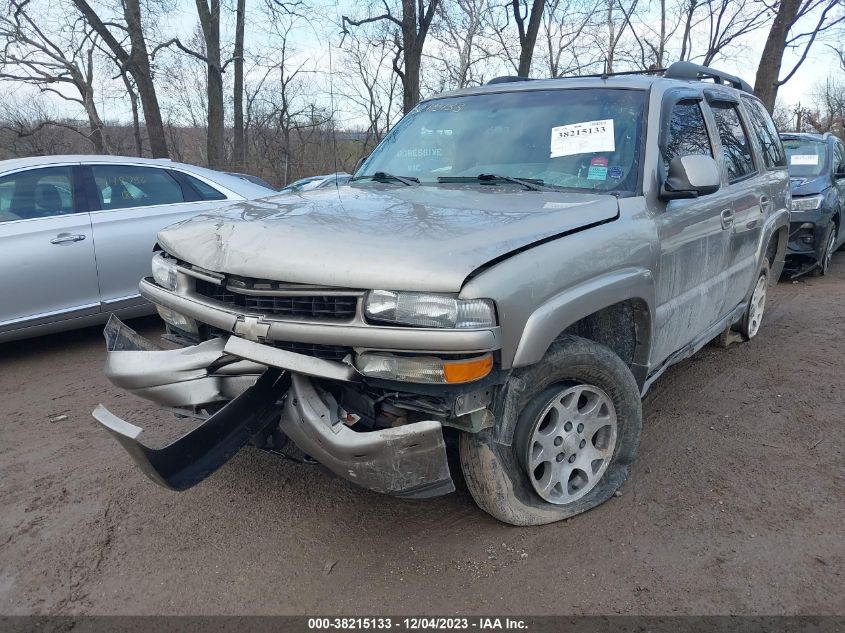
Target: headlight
(429, 310)
(807, 203)
(426, 369)
(164, 271)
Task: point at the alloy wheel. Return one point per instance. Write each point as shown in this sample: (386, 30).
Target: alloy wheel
(571, 444)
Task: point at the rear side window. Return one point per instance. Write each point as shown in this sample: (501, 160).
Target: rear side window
(687, 133)
(127, 186)
(205, 191)
(767, 134)
(735, 148)
(36, 193)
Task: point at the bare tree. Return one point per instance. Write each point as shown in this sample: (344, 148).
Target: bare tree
(135, 60)
(210, 55)
(413, 25)
(370, 86)
(827, 113)
(527, 32)
(461, 48)
(565, 24)
(823, 16)
(238, 145)
(32, 55)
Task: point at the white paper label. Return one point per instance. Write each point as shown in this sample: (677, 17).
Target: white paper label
(583, 138)
(804, 159)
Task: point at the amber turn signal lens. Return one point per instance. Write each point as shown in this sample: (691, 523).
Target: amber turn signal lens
(457, 371)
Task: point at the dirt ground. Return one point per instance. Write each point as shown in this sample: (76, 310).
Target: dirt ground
(735, 504)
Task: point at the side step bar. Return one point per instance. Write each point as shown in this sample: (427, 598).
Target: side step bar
(197, 454)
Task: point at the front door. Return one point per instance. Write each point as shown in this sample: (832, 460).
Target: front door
(694, 242)
(46, 248)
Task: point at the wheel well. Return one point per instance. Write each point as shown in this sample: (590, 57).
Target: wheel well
(776, 251)
(624, 327)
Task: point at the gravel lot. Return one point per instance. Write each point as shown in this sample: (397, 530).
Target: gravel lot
(735, 504)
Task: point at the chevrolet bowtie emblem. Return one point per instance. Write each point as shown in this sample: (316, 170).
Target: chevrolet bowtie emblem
(251, 328)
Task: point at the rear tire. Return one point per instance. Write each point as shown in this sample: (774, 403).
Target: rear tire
(749, 326)
(587, 449)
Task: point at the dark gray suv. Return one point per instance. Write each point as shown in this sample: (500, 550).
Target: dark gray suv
(508, 272)
(817, 181)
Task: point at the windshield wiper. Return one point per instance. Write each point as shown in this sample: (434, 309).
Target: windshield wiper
(381, 176)
(532, 184)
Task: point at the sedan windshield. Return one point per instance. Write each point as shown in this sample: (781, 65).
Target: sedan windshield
(806, 158)
(582, 139)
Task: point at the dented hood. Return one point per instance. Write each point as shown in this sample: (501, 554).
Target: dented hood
(379, 236)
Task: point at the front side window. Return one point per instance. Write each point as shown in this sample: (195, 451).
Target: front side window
(767, 134)
(736, 150)
(806, 157)
(581, 139)
(686, 134)
(126, 186)
(36, 193)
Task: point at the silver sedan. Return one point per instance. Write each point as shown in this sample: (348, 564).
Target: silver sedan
(76, 233)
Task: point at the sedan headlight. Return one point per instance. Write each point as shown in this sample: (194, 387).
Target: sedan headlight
(164, 271)
(807, 203)
(429, 310)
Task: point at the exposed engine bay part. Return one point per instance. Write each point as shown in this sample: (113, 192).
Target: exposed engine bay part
(408, 460)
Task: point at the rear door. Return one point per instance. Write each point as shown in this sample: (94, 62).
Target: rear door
(46, 249)
(131, 204)
(749, 197)
(839, 179)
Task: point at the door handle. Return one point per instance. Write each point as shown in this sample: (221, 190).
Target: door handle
(765, 203)
(64, 238)
(727, 217)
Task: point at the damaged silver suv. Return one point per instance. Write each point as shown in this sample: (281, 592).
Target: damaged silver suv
(509, 271)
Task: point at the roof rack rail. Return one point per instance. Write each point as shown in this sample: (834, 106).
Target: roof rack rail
(688, 70)
(506, 79)
(650, 71)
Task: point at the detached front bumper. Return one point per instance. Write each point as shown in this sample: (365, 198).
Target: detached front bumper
(262, 386)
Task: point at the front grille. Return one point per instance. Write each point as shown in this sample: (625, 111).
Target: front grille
(313, 307)
(326, 352)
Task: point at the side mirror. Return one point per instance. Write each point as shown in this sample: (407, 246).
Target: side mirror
(840, 172)
(690, 177)
(360, 162)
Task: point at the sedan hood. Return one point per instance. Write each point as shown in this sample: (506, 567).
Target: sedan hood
(380, 236)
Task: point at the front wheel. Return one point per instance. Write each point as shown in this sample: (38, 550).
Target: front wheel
(827, 254)
(576, 434)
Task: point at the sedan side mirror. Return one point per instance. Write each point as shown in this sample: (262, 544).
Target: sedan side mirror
(690, 177)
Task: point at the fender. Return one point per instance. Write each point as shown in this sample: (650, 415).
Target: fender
(582, 300)
(775, 222)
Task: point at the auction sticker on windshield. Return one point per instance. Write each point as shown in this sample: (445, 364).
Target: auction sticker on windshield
(583, 138)
(804, 159)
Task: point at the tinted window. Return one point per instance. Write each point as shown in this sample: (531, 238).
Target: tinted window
(735, 148)
(125, 186)
(584, 139)
(838, 157)
(687, 133)
(206, 191)
(767, 134)
(36, 193)
(807, 157)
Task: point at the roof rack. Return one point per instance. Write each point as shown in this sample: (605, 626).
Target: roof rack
(688, 70)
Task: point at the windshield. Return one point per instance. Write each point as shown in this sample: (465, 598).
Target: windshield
(806, 158)
(584, 139)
